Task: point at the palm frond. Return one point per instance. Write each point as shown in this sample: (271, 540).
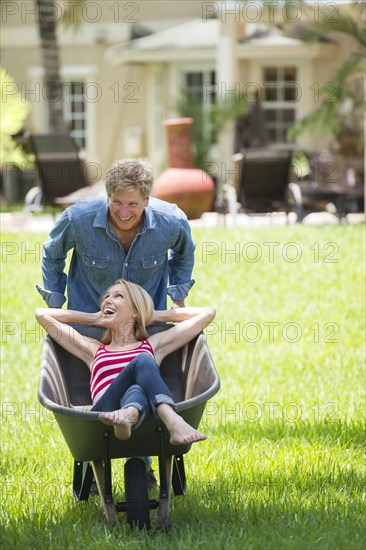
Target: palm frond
(14, 111)
(321, 122)
(14, 108)
(339, 86)
(344, 23)
(346, 81)
(350, 67)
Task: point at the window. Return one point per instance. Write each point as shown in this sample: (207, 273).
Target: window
(201, 84)
(79, 110)
(281, 92)
(201, 89)
(74, 111)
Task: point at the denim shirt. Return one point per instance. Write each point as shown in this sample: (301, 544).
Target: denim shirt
(160, 258)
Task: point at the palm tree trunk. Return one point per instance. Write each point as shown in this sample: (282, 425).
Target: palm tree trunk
(47, 17)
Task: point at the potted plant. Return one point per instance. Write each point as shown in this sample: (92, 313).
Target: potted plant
(207, 123)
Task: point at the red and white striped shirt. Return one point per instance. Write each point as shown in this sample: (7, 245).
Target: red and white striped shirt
(108, 364)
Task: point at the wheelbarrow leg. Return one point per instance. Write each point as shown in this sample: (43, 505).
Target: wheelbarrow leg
(107, 500)
(165, 471)
(103, 477)
(82, 480)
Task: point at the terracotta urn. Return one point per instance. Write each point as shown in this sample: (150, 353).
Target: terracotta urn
(190, 188)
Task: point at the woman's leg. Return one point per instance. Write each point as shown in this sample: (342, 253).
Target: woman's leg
(132, 411)
(125, 403)
(147, 374)
(180, 432)
(144, 372)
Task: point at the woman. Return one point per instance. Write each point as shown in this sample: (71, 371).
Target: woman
(125, 378)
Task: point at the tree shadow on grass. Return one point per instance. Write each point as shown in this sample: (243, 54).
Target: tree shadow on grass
(258, 500)
(286, 506)
(285, 511)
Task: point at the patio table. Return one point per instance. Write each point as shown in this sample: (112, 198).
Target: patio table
(314, 194)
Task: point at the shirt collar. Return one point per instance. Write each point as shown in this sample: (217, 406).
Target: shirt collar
(149, 222)
(101, 218)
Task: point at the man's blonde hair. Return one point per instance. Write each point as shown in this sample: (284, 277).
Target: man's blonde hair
(142, 306)
(129, 174)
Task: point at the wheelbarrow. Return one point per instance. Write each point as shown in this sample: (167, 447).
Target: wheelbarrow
(64, 389)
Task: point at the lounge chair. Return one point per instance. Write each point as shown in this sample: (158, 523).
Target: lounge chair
(262, 179)
(61, 171)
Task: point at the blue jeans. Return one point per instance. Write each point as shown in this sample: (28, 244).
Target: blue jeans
(139, 385)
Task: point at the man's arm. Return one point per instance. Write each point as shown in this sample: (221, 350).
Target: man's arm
(55, 249)
(181, 264)
(178, 304)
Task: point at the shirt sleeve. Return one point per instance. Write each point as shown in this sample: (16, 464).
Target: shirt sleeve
(54, 255)
(181, 263)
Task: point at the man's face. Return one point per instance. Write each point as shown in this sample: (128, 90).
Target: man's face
(126, 209)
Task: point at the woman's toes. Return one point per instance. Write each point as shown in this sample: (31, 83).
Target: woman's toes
(106, 418)
(186, 436)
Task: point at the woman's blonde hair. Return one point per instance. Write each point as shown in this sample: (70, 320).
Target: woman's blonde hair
(142, 306)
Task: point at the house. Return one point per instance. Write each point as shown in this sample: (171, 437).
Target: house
(125, 65)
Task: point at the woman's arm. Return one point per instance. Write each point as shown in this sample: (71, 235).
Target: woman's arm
(190, 322)
(56, 323)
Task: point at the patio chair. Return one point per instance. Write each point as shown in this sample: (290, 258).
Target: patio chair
(262, 180)
(330, 187)
(60, 167)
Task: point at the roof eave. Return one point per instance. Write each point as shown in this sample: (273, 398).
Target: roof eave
(130, 55)
(296, 51)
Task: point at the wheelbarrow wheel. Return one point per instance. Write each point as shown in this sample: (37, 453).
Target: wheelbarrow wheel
(136, 494)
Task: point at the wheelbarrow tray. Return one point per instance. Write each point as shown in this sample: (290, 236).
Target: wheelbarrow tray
(64, 389)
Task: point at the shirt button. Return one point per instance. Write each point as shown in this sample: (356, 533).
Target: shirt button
(155, 262)
(93, 262)
(126, 264)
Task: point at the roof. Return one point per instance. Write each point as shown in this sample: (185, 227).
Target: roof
(186, 36)
(198, 38)
(192, 34)
(263, 35)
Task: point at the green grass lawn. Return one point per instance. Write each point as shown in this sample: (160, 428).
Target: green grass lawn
(284, 464)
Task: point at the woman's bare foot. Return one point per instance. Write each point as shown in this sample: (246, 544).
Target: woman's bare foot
(180, 432)
(122, 421)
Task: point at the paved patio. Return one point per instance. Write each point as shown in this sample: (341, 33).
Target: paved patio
(16, 222)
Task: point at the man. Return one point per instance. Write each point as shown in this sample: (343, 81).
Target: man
(129, 236)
